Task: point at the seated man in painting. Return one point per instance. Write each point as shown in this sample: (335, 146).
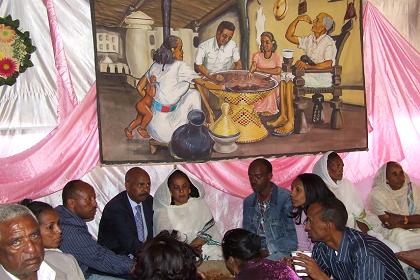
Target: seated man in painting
(319, 48)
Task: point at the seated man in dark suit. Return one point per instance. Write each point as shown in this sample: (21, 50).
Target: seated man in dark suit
(127, 219)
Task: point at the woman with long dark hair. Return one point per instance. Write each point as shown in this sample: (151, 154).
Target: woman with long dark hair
(241, 251)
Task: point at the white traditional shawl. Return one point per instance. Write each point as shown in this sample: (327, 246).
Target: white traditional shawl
(383, 198)
(188, 219)
(344, 190)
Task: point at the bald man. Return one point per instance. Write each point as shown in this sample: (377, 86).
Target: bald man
(127, 219)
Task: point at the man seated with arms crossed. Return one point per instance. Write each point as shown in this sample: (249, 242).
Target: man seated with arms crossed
(342, 252)
(21, 249)
(79, 206)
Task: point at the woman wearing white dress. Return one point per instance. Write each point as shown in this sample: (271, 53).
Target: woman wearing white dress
(396, 201)
(330, 168)
(179, 205)
(174, 98)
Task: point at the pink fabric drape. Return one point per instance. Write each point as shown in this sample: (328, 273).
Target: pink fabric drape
(68, 152)
(67, 99)
(393, 105)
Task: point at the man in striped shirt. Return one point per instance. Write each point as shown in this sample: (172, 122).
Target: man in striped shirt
(342, 252)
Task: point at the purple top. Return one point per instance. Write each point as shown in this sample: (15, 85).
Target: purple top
(264, 269)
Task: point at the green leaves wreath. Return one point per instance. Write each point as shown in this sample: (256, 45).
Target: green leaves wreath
(15, 51)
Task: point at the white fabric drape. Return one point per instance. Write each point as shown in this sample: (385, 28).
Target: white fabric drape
(28, 109)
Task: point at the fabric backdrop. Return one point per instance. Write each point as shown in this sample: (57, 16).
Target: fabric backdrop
(43, 99)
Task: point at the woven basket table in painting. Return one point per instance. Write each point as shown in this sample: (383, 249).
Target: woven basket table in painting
(242, 92)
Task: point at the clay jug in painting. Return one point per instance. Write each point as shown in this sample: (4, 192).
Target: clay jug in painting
(192, 141)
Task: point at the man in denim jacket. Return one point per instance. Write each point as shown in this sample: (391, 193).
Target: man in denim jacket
(267, 211)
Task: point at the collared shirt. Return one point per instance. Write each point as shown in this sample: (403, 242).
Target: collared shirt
(360, 257)
(133, 205)
(77, 240)
(319, 50)
(45, 272)
(216, 58)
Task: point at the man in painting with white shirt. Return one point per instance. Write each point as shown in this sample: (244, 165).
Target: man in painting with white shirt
(218, 53)
(319, 48)
(21, 248)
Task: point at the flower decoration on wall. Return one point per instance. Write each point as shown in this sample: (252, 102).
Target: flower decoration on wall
(15, 50)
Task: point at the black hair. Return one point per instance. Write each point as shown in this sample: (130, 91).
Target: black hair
(334, 211)
(69, 190)
(176, 173)
(241, 244)
(273, 41)
(264, 162)
(166, 258)
(36, 207)
(315, 190)
(164, 55)
(225, 25)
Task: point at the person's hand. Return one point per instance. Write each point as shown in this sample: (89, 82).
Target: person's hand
(310, 267)
(197, 244)
(392, 220)
(288, 261)
(264, 253)
(300, 65)
(305, 18)
(250, 75)
(217, 78)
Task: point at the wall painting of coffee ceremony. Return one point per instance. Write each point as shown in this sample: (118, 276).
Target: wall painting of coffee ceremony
(199, 80)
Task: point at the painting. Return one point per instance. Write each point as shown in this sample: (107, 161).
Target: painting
(205, 80)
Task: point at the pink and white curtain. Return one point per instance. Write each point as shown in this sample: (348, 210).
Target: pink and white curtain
(53, 104)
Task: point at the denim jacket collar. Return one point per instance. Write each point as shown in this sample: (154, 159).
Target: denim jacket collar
(273, 200)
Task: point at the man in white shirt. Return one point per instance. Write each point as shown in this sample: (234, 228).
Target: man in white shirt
(21, 248)
(218, 53)
(319, 47)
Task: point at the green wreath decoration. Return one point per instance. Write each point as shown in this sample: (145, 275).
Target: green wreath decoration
(15, 51)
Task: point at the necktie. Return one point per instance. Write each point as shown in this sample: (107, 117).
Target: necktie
(139, 223)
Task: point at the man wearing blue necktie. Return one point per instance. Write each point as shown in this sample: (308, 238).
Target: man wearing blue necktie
(127, 219)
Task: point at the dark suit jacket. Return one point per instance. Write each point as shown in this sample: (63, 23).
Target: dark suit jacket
(117, 228)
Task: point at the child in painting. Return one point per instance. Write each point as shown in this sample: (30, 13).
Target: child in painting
(144, 113)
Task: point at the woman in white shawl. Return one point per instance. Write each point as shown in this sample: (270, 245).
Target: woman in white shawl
(330, 168)
(179, 205)
(396, 201)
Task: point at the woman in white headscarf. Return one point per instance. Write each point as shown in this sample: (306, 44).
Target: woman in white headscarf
(330, 168)
(179, 205)
(396, 201)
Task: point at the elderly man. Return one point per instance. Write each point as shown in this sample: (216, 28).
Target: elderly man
(267, 211)
(342, 252)
(21, 249)
(127, 219)
(218, 53)
(79, 206)
(319, 48)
